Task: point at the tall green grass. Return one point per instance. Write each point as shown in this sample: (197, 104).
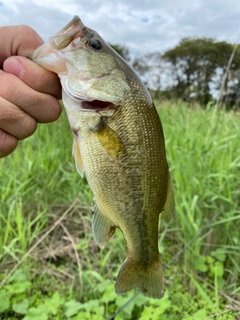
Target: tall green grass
(201, 248)
(204, 155)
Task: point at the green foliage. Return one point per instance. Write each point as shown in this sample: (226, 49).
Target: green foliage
(198, 64)
(156, 309)
(122, 50)
(201, 248)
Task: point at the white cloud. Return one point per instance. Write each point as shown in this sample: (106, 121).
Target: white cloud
(142, 25)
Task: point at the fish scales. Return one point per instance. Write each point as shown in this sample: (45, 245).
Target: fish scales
(119, 144)
(138, 173)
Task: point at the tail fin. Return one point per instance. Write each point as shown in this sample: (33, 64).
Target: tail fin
(150, 279)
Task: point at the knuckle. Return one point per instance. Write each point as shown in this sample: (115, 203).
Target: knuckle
(56, 109)
(15, 123)
(32, 99)
(7, 143)
(26, 29)
(19, 94)
(47, 82)
(27, 32)
(29, 125)
(8, 86)
(50, 111)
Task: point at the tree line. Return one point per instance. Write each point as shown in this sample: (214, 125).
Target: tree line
(197, 69)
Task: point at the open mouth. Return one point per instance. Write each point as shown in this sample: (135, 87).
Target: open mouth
(96, 105)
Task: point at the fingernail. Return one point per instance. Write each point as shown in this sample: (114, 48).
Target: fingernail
(13, 66)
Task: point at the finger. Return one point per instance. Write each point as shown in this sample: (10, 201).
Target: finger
(43, 107)
(33, 75)
(15, 121)
(7, 143)
(18, 40)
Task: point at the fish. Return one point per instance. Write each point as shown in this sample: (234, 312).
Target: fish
(118, 143)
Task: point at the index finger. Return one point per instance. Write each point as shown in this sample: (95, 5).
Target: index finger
(18, 40)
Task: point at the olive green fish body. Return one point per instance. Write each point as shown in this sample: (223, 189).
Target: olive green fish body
(130, 188)
(119, 144)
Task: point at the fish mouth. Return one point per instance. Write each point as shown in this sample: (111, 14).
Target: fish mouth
(96, 105)
(87, 103)
(91, 105)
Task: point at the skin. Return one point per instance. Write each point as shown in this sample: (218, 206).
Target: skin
(29, 94)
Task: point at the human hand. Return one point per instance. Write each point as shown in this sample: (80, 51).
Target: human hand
(28, 93)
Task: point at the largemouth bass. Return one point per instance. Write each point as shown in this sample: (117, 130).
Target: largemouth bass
(119, 144)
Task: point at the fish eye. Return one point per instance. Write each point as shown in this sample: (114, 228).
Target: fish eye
(95, 44)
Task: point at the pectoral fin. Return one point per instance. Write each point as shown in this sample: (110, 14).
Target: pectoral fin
(109, 140)
(103, 228)
(169, 208)
(77, 156)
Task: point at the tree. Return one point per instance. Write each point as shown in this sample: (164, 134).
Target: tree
(122, 50)
(196, 64)
(141, 65)
(229, 91)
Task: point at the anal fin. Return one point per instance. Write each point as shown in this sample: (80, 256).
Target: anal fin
(103, 228)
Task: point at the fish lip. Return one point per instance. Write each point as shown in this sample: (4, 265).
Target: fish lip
(39, 54)
(74, 29)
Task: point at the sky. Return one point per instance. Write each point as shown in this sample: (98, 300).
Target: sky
(143, 26)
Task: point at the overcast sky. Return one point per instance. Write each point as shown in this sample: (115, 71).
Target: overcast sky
(141, 25)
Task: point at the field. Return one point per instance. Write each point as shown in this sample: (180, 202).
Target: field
(50, 267)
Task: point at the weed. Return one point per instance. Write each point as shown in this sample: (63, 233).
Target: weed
(60, 273)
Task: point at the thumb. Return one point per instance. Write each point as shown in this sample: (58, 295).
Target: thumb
(33, 75)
